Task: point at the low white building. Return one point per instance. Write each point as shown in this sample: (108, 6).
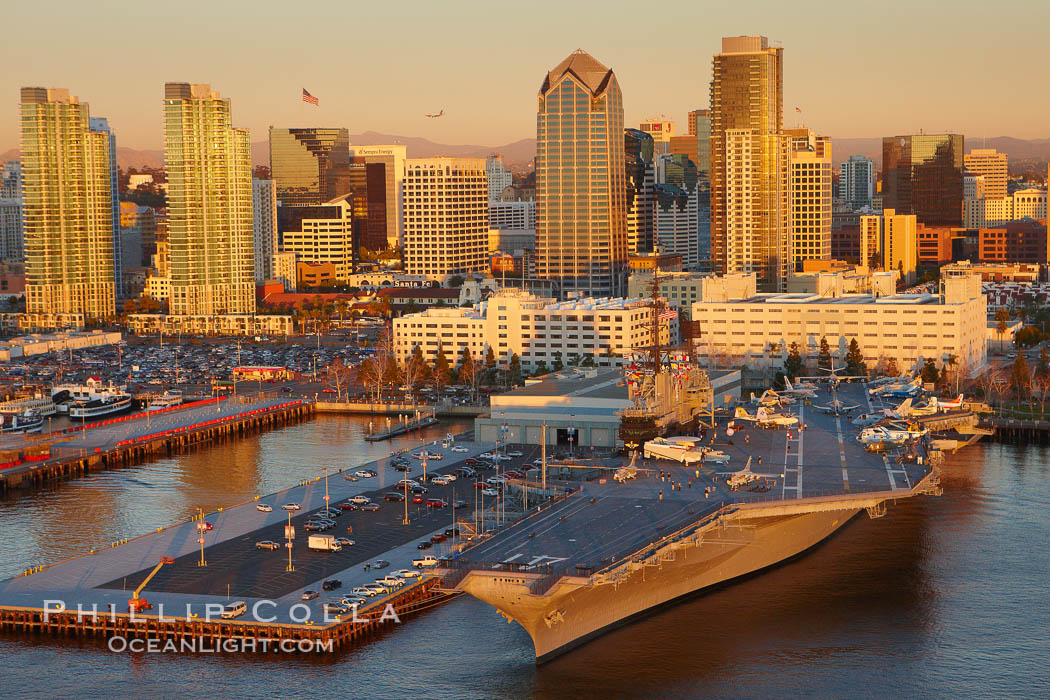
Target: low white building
(228, 324)
(539, 330)
(517, 215)
(738, 325)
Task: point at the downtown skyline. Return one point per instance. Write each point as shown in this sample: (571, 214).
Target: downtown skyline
(892, 86)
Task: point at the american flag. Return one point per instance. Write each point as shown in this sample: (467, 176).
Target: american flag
(307, 97)
(670, 313)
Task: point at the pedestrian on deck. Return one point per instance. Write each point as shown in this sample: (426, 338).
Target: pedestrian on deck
(661, 495)
(760, 460)
(747, 438)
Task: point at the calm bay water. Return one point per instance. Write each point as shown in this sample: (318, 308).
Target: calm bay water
(943, 597)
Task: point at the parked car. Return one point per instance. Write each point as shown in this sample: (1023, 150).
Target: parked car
(458, 448)
(349, 477)
(360, 500)
(435, 503)
(424, 545)
(267, 544)
(489, 492)
(309, 595)
(365, 473)
(380, 564)
(347, 506)
(331, 584)
(344, 542)
(438, 537)
(370, 507)
(396, 496)
(263, 508)
(291, 506)
(364, 591)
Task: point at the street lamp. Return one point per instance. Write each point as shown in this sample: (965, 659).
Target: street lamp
(289, 534)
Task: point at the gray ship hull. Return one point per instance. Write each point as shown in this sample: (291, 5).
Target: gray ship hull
(576, 609)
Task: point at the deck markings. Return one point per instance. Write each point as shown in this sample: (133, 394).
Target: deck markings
(838, 431)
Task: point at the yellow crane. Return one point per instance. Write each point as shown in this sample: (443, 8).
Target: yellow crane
(137, 604)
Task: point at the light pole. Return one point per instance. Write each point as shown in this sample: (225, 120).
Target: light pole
(405, 521)
(200, 535)
(289, 534)
(326, 490)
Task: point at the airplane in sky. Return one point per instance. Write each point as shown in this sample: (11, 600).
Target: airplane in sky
(435, 116)
(764, 419)
(735, 480)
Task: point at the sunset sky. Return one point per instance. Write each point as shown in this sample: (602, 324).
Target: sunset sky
(892, 67)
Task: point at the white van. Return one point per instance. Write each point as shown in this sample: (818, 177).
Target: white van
(234, 610)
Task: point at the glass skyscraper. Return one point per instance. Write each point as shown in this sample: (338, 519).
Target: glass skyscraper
(68, 212)
(923, 175)
(750, 207)
(309, 166)
(211, 241)
(581, 223)
(641, 178)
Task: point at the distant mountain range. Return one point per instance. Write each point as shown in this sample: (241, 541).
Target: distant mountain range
(519, 154)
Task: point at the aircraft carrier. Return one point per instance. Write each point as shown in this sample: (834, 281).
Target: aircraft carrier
(635, 536)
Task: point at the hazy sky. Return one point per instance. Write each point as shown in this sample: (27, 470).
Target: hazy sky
(891, 67)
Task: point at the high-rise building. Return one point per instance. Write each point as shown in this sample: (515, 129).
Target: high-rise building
(640, 171)
(896, 238)
(12, 198)
(750, 202)
(676, 197)
(68, 212)
(446, 213)
(499, 176)
(393, 158)
(137, 225)
(322, 235)
(662, 131)
(368, 187)
(700, 127)
(990, 164)
(101, 124)
(581, 220)
(923, 175)
(857, 181)
(810, 195)
(309, 166)
(264, 227)
(211, 241)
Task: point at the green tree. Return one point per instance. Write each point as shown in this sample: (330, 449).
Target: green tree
(455, 281)
(1002, 319)
(559, 363)
(514, 374)
(929, 373)
(490, 357)
(855, 364)
(1020, 378)
(891, 367)
(824, 357)
(541, 369)
(793, 365)
(465, 359)
(588, 361)
(441, 373)
(1042, 368)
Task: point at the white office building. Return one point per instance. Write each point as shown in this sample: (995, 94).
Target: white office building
(676, 208)
(739, 324)
(446, 216)
(12, 199)
(539, 330)
(499, 176)
(513, 216)
(264, 215)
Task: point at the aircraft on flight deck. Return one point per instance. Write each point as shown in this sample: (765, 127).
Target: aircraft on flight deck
(735, 480)
(764, 419)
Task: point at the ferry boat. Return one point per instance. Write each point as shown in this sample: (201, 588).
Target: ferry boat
(42, 406)
(91, 400)
(21, 423)
(171, 397)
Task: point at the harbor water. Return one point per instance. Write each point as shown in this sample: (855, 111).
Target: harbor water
(943, 597)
